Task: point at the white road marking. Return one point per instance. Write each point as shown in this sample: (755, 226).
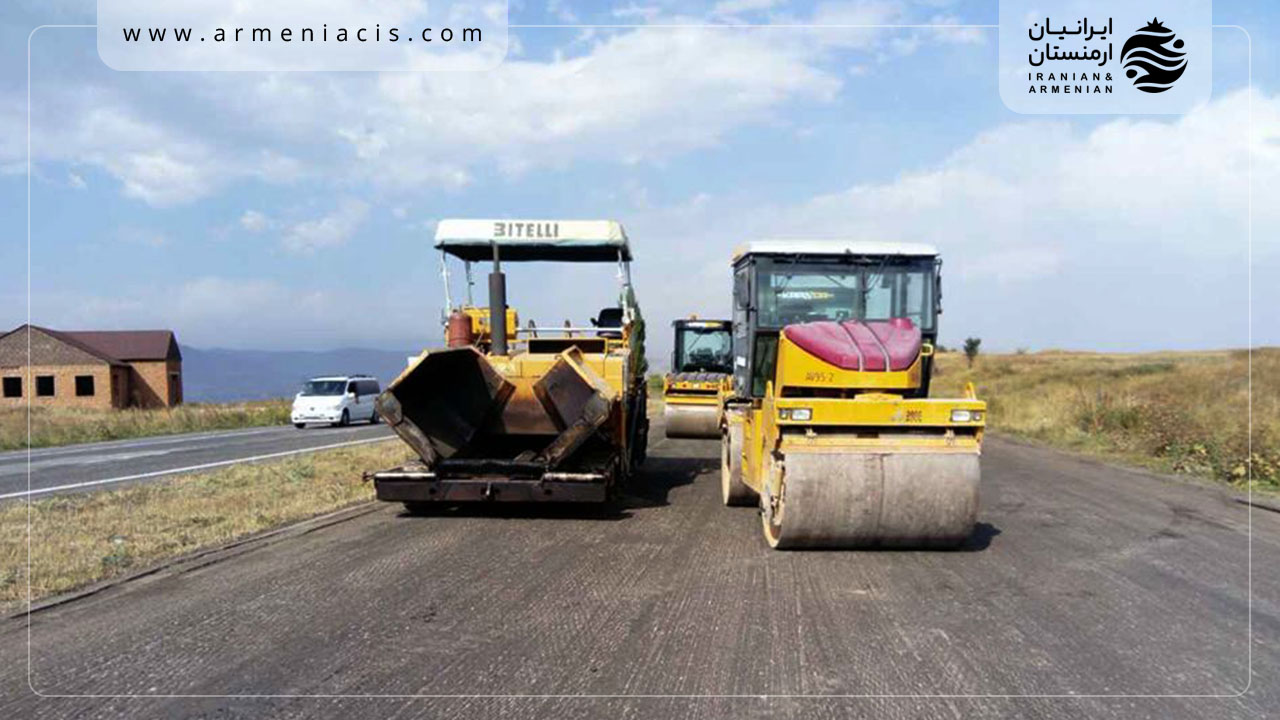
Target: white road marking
(134, 442)
(189, 468)
(18, 469)
(15, 462)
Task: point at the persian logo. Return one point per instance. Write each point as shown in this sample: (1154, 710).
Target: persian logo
(1153, 58)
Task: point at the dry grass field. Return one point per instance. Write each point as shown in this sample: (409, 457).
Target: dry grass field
(1177, 412)
(67, 426)
(1181, 412)
(82, 538)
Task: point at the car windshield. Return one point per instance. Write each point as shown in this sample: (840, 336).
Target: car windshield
(704, 350)
(791, 294)
(324, 387)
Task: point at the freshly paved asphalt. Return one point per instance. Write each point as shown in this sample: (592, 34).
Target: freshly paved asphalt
(1083, 581)
(95, 462)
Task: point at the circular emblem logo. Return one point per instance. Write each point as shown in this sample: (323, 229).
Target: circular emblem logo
(1153, 58)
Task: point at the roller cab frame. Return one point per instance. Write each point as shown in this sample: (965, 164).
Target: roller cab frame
(522, 414)
(828, 426)
(701, 367)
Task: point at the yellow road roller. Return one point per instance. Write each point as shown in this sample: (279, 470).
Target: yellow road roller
(506, 413)
(828, 424)
(701, 363)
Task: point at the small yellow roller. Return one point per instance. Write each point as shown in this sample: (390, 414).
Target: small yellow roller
(701, 362)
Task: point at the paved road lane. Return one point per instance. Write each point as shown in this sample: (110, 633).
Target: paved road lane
(1082, 580)
(96, 465)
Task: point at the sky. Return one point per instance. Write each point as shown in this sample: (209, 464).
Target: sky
(297, 210)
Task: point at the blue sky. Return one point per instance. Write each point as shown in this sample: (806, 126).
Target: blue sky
(295, 210)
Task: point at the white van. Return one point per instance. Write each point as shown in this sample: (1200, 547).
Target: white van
(336, 400)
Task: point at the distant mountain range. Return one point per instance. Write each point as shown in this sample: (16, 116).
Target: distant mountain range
(216, 375)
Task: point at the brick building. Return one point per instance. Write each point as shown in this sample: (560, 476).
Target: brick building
(91, 369)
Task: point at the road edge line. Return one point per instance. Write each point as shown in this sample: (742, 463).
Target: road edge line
(189, 469)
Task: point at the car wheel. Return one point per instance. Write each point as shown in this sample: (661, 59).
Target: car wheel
(299, 425)
(373, 418)
(346, 419)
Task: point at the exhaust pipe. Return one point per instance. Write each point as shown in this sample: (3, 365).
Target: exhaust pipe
(497, 306)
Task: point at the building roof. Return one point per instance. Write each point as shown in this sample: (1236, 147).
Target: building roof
(833, 247)
(129, 344)
(520, 240)
(117, 346)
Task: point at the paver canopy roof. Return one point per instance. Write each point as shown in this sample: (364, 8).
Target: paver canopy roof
(526, 240)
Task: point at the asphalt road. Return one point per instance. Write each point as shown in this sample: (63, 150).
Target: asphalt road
(1083, 580)
(93, 466)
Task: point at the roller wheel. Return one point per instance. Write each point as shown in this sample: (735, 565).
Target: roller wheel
(862, 500)
(771, 522)
(733, 491)
(691, 421)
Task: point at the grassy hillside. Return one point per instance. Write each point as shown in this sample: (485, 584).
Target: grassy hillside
(1174, 412)
(65, 426)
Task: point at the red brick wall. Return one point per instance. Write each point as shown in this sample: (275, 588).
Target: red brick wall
(175, 381)
(120, 387)
(64, 386)
(150, 384)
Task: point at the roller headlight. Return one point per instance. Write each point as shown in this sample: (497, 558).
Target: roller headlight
(962, 416)
(797, 414)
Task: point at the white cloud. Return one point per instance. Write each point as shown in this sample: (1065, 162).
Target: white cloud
(1125, 235)
(1116, 237)
(330, 230)
(76, 181)
(636, 97)
(647, 13)
(154, 161)
(630, 97)
(154, 164)
(274, 167)
(1021, 264)
(958, 36)
(222, 300)
(212, 311)
(254, 221)
(735, 7)
(160, 178)
(368, 144)
(143, 236)
(561, 11)
(1181, 182)
(1015, 209)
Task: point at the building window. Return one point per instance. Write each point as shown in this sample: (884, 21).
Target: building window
(44, 386)
(13, 387)
(84, 386)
